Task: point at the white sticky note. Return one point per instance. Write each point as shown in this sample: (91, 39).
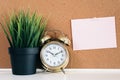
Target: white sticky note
(93, 33)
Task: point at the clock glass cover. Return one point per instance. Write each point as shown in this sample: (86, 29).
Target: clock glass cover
(54, 54)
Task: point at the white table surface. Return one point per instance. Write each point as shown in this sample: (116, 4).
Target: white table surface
(71, 74)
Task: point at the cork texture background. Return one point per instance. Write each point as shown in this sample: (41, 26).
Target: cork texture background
(60, 13)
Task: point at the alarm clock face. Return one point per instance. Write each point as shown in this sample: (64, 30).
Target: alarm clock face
(54, 54)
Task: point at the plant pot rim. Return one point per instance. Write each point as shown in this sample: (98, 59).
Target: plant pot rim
(23, 50)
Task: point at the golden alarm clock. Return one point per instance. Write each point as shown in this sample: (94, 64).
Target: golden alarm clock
(54, 54)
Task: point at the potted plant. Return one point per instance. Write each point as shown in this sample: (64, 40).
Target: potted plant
(24, 32)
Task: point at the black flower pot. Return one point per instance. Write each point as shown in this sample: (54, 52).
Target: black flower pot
(23, 60)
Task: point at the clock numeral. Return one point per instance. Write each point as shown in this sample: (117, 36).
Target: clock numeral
(54, 47)
(54, 63)
(61, 51)
(61, 59)
(47, 59)
(62, 55)
(47, 51)
(46, 55)
(50, 48)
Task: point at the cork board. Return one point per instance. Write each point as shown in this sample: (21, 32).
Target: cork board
(60, 13)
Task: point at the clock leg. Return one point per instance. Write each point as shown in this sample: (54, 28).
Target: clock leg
(62, 70)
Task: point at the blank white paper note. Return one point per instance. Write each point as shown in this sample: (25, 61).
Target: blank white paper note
(93, 33)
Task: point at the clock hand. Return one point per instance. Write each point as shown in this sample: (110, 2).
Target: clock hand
(58, 52)
(50, 53)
